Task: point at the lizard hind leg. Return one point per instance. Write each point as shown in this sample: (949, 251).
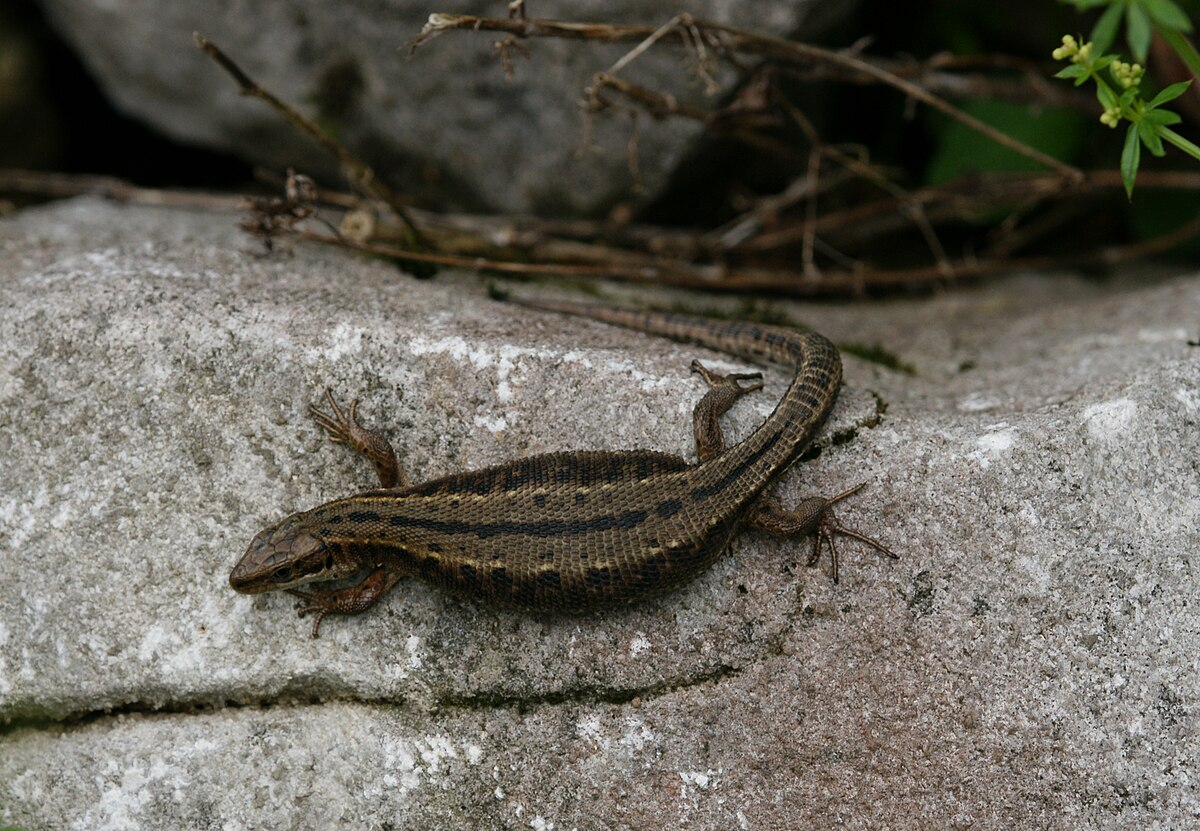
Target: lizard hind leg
(814, 515)
(723, 391)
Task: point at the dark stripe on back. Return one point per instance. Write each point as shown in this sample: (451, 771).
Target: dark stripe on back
(581, 469)
(540, 528)
(736, 473)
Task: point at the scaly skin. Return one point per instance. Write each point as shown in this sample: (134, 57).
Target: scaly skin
(567, 532)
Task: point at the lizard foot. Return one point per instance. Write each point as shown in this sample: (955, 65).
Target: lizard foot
(717, 381)
(343, 428)
(828, 527)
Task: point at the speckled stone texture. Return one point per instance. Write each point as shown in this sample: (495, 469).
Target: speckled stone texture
(1029, 662)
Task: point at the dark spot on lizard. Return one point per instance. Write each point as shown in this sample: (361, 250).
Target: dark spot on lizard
(501, 580)
(468, 576)
(431, 568)
(599, 578)
(652, 569)
(526, 592)
(669, 508)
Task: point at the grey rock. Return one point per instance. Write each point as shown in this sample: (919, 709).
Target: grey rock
(1029, 662)
(443, 125)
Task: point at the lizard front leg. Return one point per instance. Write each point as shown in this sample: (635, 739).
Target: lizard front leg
(343, 428)
(723, 391)
(352, 600)
(813, 515)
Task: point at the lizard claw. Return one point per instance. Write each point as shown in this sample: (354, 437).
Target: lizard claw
(338, 424)
(312, 602)
(343, 428)
(715, 380)
(829, 527)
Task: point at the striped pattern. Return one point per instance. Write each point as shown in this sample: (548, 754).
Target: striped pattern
(569, 532)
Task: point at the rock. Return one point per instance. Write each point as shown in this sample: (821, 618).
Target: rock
(444, 125)
(1029, 662)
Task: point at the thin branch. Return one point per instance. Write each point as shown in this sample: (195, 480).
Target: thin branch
(782, 281)
(909, 207)
(517, 245)
(361, 174)
(631, 273)
(650, 39)
(766, 210)
(440, 23)
(808, 257)
(61, 185)
(657, 103)
(963, 198)
(1031, 88)
(731, 39)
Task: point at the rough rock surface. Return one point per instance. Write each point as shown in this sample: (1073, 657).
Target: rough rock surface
(444, 124)
(1029, 662)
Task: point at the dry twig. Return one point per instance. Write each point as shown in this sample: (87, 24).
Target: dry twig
(757, 251)
(361, 174)
(725, 40)
(515, 245)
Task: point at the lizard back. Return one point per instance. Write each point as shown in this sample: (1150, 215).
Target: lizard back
(570, 532)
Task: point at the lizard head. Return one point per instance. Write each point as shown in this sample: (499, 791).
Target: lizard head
(285, 555)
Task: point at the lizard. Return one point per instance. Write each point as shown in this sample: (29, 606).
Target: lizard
(569, 532)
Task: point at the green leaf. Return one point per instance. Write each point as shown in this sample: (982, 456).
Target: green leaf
(1105, 31)
(1149, 137)
(1179, 141)
(1108, 98)
(1072, 71)
(959, 150)
(1167, 15)
(1169, 94)
(1161, 118)
(1138, 31)
(1130, 156)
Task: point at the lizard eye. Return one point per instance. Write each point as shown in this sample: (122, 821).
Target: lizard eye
(282, 575)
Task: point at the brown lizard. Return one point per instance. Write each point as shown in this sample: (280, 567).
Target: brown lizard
(568, 532)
